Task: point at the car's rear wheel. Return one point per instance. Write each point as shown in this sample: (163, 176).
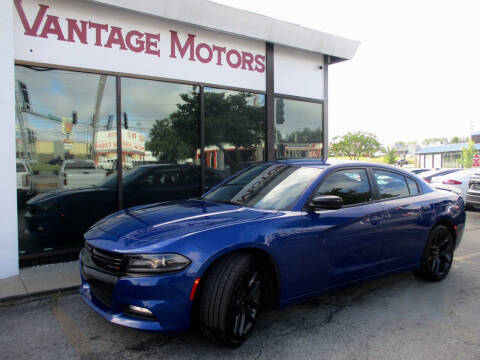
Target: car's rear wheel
(231, 299)
(438, 255)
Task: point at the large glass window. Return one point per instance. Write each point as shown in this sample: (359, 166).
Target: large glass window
(160, 140)
(298, 129)
(65, 139)
(234, 131)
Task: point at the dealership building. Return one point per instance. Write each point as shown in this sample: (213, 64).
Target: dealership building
(114, 103)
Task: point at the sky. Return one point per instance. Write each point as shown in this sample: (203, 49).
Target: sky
(416, 74)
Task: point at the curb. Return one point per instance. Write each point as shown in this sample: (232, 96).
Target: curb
(23, 298)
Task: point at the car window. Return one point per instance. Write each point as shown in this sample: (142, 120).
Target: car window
(351, 185)
(161, 178)
(412, 186)
(80, 165)
(266, 186)
(390, 184)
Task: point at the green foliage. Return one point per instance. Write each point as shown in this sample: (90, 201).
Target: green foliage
(467, 155)
(355, 144)
(458, 140)
(436, 140)
(390, 155)
(229, 119)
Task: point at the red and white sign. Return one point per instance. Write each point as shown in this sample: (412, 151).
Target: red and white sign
(132, 141)
(476, 160)
(87, 35)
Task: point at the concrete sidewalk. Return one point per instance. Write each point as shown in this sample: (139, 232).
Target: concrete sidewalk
(37, 280)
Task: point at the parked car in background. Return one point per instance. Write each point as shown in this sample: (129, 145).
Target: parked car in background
(270, 236)
(68, 213)
(428, 175)
(473, 192)
(78, 173)
(457, 181)
(417, 170)
(26, 185)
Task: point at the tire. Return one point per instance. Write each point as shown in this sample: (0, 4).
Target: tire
(438, 255)
(231, 299)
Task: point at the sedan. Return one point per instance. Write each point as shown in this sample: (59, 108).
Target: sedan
(65, 214)
(272, 235)
(457, 181)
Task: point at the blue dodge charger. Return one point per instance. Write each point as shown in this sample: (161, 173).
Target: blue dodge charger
(271, 235)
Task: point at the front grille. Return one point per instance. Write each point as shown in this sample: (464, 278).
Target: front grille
(112, 262)
(102, 291)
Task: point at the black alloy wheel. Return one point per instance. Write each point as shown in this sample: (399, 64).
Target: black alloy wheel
(438, 255)
(245, 303)
(231, 299)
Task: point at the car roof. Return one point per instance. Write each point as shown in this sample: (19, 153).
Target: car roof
(320, 163)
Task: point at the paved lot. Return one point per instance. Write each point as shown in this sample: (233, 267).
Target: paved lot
(398, 317)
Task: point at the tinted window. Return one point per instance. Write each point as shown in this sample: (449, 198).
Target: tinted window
(351, 185)
(390, 184)
(80, 165)
(271, 187)
(412, 186)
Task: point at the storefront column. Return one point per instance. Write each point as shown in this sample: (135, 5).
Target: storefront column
(8, 208)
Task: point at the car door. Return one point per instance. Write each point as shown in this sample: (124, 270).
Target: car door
(404, 231)
(351, 237)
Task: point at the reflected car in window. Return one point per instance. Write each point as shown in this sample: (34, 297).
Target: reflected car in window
(269, 236)
(68, 213)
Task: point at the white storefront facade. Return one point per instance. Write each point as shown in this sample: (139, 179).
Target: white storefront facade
(196, 87)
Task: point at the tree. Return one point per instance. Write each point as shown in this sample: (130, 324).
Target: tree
(458, 140)
(436, 140)
(355, 144)
(467, 155)
(166, 144)
(229, 119)
(390, 155)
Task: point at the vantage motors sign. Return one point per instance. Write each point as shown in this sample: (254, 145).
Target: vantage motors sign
(95, 37)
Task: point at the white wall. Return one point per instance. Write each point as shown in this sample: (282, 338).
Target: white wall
(8, 207)
(298, 72)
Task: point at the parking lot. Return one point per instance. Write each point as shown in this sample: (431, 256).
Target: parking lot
(399, 317)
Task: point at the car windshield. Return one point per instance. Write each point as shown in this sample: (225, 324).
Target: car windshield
(80, 165)
(266, 186)
(127, 176)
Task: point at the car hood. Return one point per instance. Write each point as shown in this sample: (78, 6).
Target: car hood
(60, 193)
(137, 228)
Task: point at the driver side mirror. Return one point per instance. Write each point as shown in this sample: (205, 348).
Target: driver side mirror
(326, 202)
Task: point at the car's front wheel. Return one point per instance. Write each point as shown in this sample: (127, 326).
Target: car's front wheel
(231, 299)
(438, 255)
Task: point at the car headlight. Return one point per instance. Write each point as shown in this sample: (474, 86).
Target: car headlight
(156, 263)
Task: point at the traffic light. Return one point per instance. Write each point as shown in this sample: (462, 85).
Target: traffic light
(109, 121)
(25, 97)
(280, 112)
(30, 136)
(125, 120)
(74, 117)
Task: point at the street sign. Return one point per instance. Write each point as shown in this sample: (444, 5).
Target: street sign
(476, 160)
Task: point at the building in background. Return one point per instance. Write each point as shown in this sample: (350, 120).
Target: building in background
(442, 156)
(147, 103)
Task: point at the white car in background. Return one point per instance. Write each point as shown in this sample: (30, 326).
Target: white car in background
(456, 181)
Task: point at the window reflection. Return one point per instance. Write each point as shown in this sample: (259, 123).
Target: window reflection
(298, 129)
(234, 129)
(59, 116)
(160, 141)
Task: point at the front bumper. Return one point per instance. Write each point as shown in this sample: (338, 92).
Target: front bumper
(166, 296)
